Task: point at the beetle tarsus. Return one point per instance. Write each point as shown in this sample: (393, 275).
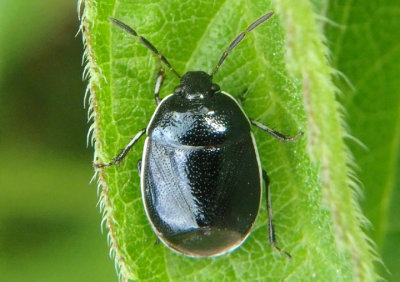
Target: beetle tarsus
(279, 250)
(114, 162)
(294, 138)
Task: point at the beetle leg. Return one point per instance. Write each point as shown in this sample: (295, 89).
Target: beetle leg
(139, 167)
(159, 83)
(271, 229)
(276, 134)
(242, 97)
(124, 151)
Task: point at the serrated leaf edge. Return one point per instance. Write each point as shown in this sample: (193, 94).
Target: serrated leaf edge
(93, 73)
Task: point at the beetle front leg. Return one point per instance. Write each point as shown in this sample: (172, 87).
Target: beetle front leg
(271, 229)
(124, 151)
(276, 134)
(159, 82)
(242, 97)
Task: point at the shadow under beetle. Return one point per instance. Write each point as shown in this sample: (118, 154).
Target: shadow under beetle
(200, 172)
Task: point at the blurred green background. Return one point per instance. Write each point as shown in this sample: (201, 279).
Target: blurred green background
(49, 219)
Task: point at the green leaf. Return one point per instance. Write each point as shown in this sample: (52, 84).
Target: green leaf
(366, 48)
(282, 65)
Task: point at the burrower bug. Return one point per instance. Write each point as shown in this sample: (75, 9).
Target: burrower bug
(201, 176)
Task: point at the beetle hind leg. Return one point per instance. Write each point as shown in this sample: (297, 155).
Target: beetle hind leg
(271, 229)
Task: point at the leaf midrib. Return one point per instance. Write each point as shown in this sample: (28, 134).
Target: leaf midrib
(194, 51)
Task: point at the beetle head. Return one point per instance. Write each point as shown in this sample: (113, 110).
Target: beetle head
(196, 84)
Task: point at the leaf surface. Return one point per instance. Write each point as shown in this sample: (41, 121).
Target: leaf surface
(282, 67)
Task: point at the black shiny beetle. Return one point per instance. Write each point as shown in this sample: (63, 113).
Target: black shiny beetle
(201, 175)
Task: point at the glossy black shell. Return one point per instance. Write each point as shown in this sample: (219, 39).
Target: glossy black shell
(201, 179)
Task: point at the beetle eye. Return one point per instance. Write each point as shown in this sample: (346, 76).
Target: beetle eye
(215, 87)
(178, 90)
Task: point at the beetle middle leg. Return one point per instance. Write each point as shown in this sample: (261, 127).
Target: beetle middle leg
(274, 133)
(271, 229)
(139, 167)
(124, 151)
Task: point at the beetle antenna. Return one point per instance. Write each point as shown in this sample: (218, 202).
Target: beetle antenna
(146, 43)
(239, 38)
